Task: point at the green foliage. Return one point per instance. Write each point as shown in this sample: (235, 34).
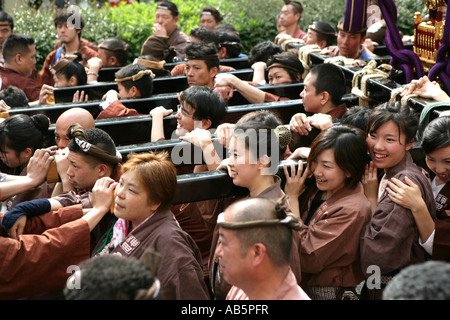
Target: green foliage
(327, 11)
(132, 23)
(39, 25)
(405, 14)
(254, 19)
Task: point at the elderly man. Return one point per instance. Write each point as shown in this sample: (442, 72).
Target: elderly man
(255, 238)
(73, 115)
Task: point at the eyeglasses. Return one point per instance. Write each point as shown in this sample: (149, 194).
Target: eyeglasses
(183, 111)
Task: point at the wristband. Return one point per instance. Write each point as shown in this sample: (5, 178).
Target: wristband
(29, 208)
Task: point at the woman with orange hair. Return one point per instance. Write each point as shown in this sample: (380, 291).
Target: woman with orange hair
(144, 220)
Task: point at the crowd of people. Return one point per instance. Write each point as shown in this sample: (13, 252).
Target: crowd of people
(352, 218)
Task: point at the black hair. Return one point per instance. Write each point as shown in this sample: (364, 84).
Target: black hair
(266, 141)
(356, 116)
(214, 12)
(263, 51)
(291, 61)
(296, 5)
(16, 44)
(14, 97)
(230, 41)
(324, 32)
(402, 115)
(436, 134)
(22, 131)
(349, 148)
(144, 84)
(96, 137)
(226, 27)
(206, 102)
(329, 78)
(74, 68)
(5, 16)
(264, 116)
(110, 277)
(198, 51)
(170, 6)
(205, 35)
(428, 280)
(116, 47)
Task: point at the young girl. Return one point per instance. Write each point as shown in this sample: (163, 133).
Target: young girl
(434, 234)
(69, 72)
(20, 136)
(142, 206)
(390, 240)
(254, 154)
(334, 211)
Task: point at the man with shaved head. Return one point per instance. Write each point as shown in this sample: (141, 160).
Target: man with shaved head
(73, 115)
(255, 240)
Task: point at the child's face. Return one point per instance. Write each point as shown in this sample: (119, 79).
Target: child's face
(386, 147)
(123, 92)
(243, 167)
(329, 176)
(11, 159)
(439, 162)
(185, 120)
(61, 81)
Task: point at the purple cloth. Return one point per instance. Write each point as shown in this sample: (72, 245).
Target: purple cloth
(355, 16)
(442, 66)
(402, 58)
